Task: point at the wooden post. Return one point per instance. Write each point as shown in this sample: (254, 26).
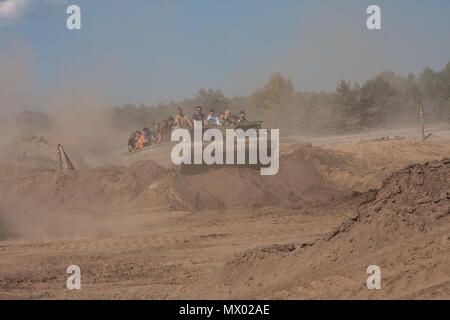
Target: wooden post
(422, 120)
(58, 157)
(63, 159)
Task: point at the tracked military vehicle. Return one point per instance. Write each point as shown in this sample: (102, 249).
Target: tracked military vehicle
(161, 153)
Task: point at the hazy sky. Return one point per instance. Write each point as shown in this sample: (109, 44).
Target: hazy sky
(146, 51)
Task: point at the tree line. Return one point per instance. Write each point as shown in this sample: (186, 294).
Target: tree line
(387, 99)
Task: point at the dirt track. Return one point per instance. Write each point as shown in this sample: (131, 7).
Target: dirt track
(311, 232)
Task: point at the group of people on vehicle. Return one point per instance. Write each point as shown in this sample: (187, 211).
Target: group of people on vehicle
(162, 131)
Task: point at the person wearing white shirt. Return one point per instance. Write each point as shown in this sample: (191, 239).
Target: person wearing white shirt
(212, 119)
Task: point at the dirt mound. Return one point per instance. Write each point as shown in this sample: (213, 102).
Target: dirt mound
(422, 190)
(412, 203)
(366, 165)
(415, 199)
(178, 193)
(95, 188)
(146, 184)
(305, 175)
(297, 181)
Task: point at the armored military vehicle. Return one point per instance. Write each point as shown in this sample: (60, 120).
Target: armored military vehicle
(161, 153)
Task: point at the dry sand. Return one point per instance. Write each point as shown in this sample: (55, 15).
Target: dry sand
(309, 232)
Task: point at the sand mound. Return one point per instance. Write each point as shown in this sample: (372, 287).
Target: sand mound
(366, 165)
(297, 181)
(146, 184)
(412, 202)
(415, 199)
(179, 193)
(95, 188)
(306, 174)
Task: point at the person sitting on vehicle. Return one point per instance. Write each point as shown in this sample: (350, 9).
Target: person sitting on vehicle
(212, 119)
(221, 117)
(132, 142)
(199, 116)
(182, 120)
(140, 140)
(242, 117)
(165, 131)
(234, 119)
(227, 118)
(156, 134)
(171, 123)
(147, 136)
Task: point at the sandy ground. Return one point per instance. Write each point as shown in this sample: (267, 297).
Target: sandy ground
(338, 205)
